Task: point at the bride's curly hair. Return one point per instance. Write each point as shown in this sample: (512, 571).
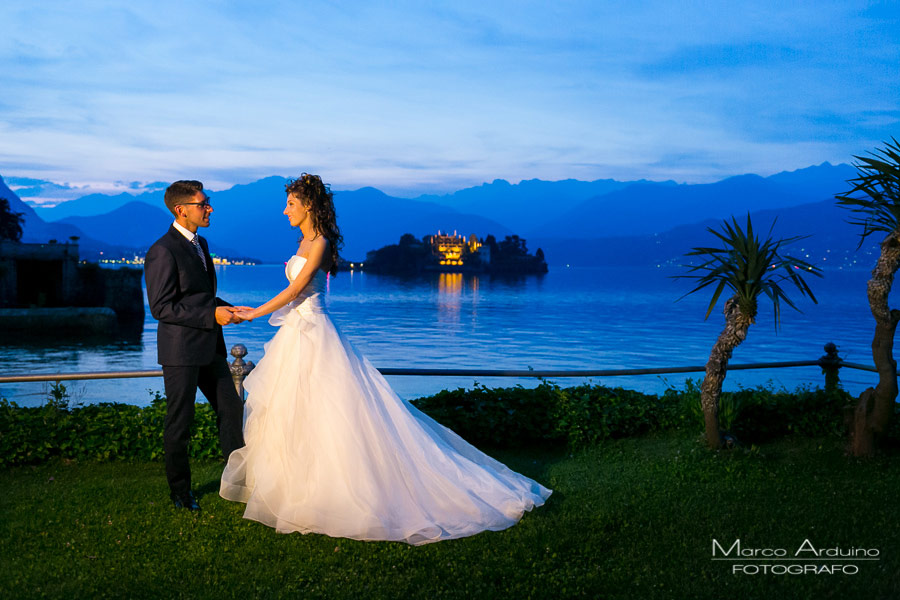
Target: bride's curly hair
(319, 201)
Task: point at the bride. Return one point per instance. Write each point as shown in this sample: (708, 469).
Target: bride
(330, 448)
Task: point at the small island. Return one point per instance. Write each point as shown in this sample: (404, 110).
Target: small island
(446, 253)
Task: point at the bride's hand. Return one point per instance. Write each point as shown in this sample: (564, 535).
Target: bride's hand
(245, 313)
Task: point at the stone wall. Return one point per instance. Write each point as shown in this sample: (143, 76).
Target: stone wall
(56, 321)
(123, 291)
(49, 276)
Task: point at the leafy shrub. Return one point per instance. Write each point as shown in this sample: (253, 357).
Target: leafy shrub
(762, 413)
(730, 406)
(548, 414)
(589, 414)
(104, 431)
(513, 417)
(586, 415)
(496, 416)
(765, 414)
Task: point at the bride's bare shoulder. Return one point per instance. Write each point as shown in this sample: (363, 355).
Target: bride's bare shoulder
(324, 246)
(319, 244)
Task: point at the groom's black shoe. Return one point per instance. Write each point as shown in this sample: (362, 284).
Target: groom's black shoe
(186, 500)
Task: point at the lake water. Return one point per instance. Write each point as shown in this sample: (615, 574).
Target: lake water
(571, 318)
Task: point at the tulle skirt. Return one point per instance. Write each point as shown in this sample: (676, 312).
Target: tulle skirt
(331, 449)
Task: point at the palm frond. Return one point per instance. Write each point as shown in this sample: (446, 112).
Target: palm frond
(874, 198)
(750, 267)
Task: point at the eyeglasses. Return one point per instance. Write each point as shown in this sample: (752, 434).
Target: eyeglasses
(203, 205)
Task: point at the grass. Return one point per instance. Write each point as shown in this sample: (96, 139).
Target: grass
(632, 518)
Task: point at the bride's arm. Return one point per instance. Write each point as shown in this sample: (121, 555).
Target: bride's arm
(313, 262)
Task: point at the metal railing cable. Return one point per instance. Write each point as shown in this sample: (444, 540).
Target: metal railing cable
(830, 362)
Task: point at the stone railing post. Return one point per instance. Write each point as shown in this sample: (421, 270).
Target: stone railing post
(831, 366)
(239, 368)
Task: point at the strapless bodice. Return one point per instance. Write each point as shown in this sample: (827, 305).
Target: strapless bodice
(293, 267)
(311, 299)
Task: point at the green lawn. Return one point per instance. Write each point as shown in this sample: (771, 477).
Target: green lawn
(633, 518)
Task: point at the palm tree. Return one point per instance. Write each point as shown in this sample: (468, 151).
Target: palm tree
(748, 268)
(875, 202)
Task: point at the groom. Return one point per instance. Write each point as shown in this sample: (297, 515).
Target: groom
(181, 288)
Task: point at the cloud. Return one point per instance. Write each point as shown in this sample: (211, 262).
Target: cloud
(46, 192)
(417, 96)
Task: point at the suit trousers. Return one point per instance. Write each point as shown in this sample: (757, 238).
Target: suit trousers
(181, 383)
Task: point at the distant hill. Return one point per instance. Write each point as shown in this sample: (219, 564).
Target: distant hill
(561, 214)
(96, 204)
(646, 208)
(137, 225)
(525, 206)
(831, 243)
(249, 218)
(35, 229)
(371, 219)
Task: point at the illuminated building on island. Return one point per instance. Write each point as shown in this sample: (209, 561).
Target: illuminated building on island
(456, 251)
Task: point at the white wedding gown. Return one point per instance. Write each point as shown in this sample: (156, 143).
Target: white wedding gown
(330, 448)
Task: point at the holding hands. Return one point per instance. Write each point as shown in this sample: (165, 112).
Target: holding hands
(245, 313)
(226, 315)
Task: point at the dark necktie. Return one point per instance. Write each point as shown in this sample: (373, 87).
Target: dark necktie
(196, 242)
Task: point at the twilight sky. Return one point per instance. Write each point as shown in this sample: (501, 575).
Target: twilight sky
(415, 97)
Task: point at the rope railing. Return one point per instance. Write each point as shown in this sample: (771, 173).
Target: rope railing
(830, 363)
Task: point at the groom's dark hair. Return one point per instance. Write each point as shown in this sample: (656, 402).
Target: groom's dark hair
(180, 192)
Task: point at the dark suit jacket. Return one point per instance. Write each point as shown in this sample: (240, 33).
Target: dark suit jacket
(183, 299)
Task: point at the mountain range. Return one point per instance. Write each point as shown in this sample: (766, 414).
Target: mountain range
(525, 205)
(645, 208)
(574, 222)
(37, 230)
(825, 239)
(247, 220)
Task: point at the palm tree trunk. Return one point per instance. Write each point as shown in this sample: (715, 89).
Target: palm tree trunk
(875, 407)
(736, 325)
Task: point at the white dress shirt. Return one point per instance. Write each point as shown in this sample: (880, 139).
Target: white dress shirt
(184, 231)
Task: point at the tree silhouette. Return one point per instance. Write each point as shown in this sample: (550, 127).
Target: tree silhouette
(513, 245)
(10, 222)
(749, 268)
(874, 201)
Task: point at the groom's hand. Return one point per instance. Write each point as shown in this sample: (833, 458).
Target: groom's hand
(225, 315)
(245, 314)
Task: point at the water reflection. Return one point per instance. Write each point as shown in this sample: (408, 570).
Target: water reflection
(450, 284)
(450, 287)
